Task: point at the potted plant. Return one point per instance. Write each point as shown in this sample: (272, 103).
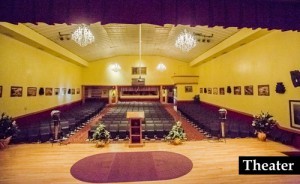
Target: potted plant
(101, 136)
(263, 124)
(176, 134)
(8, 129)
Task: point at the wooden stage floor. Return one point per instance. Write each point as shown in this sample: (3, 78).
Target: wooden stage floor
(213, 162)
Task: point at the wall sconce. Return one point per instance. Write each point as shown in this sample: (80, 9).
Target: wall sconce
(161, 67)
(116, 67)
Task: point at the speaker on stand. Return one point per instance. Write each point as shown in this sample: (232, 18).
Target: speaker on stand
(222, 117)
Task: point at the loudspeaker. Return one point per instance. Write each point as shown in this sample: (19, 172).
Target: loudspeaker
(295, 76)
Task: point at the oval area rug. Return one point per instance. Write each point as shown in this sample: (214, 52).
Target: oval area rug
(131, 167)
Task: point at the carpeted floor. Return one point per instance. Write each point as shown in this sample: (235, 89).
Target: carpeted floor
(191, 132)
(81, 135)
(131, 167)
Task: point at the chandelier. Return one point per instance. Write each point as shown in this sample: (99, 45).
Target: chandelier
(161, 67)
(116, 67)
(83, 36)
(185, 41)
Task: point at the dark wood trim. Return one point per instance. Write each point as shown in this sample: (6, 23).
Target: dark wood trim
(229, 109)
(27, 119)
(48, 109)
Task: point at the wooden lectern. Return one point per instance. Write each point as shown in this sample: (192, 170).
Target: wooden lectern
(135, 128)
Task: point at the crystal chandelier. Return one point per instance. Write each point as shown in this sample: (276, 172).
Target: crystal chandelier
(116, 67)
(185, 41)
(161, 67)
(83, 36)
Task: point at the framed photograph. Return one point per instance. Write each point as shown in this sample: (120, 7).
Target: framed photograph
(222, 91)
(263, 90)
(56, 91)
(209, 91)
(188, 89)
(201, 90)
(248, 90)
(77, 91)
(0, 91)
(73, 91)
(215, 91)
(31, 91)
(139, 70)
(48, 91)
(295, 113)
(237, 90)
(64, 91)
(104, 93)
(16, 91)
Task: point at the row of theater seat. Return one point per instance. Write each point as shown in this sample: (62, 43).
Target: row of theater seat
(157, 130)
(207, 119)
(41, 129)
(157, 123)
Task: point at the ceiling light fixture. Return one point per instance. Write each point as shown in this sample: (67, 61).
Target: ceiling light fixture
(185, 41)
(83, 36)
(161, 67)
(116, 67)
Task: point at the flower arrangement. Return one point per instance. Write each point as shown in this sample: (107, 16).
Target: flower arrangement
(263, 122)
(176, 132)
(101, 134)
(8, 127)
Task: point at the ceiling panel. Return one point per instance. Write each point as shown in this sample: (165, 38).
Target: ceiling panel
(123, 39)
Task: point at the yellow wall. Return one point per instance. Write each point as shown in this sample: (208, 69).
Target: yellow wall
(100, 72)
(265, 61)
(183, 95)
(25, 66)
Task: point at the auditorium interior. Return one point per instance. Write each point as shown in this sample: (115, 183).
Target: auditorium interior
(211, 65)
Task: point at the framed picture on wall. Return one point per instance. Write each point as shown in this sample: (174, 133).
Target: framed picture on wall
(77, 91)
(188, 89)
(64, 91)
(237, 90)
(48, 91)
(222, 91)
(104, 93)
(16, 91)
(263, 90)
(0, 91)
(295, 113)
(248, 90)
(31, 91)
(201, 90)
(56, 91)
(209, 91)
(139, 70)
(215, 91)
(73, 91)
